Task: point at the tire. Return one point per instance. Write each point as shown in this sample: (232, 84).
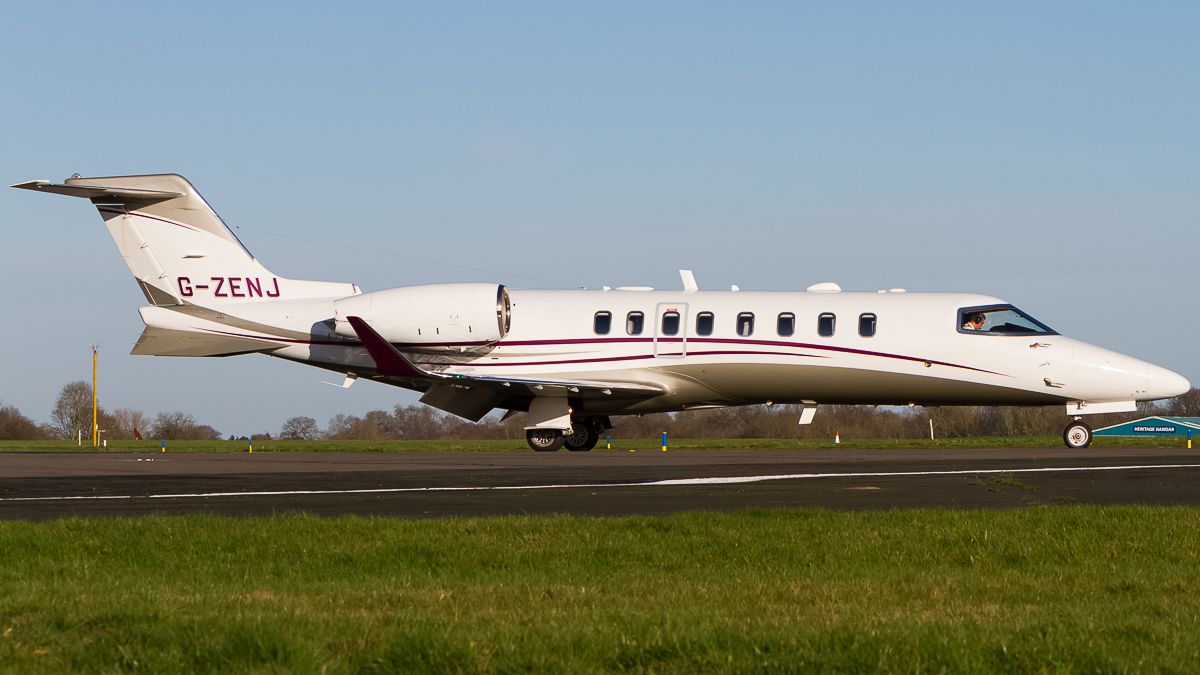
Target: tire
(544, 440)
(1078, 435)
(583, 437)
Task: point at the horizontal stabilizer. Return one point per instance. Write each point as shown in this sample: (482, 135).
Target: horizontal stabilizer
(166, 342)
(98, 192)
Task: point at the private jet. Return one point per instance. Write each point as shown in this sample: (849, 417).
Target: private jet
(573, 359)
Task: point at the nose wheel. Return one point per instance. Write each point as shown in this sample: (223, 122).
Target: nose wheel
(1077, 435)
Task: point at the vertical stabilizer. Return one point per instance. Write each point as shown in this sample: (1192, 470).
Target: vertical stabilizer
(177, 247)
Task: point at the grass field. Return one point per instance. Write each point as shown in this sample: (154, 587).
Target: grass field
(619, 444)
(1069, 589)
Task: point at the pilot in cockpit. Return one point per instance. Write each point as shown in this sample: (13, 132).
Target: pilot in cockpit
(974, 321)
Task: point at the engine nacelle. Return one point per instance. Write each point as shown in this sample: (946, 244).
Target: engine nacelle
(432, 314)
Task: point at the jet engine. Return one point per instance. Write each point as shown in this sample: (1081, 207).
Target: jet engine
(432, 315)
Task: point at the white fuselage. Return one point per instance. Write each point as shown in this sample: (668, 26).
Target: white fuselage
(915, 355)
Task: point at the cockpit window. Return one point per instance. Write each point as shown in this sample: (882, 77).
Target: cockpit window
(1000, 320)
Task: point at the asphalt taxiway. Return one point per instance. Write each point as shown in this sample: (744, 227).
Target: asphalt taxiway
(48, 485)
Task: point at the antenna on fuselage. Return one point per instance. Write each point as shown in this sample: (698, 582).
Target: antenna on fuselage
(689, 281)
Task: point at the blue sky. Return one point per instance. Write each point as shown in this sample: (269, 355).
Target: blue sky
(1047, 153)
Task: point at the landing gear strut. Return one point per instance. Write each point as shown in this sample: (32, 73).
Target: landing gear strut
(1077, 435)
(583, 436)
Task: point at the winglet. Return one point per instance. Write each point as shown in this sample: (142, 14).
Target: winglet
(388, 361)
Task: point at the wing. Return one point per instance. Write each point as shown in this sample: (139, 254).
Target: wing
(473, 396)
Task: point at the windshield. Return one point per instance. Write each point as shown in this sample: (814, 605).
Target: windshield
(1000, 320)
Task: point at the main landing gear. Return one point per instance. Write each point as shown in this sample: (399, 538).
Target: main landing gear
(583, 436)
(544, 440)
(1077, 434)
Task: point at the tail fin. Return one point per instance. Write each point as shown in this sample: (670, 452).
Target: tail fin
(178, 248)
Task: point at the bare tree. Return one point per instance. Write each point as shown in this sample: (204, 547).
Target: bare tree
(352, 428)
(1186, 405)
(179, 425)
(72, 411)
(300, 429)
(127, 423)
(419, 422)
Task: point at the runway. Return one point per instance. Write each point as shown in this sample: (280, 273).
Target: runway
(416, 485)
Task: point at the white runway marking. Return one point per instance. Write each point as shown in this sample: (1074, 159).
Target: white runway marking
(721, 480)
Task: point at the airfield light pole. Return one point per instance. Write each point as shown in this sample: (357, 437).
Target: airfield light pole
(95, 422)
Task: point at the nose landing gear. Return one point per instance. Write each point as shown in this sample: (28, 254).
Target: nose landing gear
(1077, 435)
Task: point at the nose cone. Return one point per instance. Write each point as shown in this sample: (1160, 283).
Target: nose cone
(1163, 383)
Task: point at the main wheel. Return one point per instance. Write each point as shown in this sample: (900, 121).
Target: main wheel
(583, 437)
(544, 440)
(1077, 435)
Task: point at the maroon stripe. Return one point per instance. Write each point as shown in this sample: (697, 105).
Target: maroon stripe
(765, 343)
(604, 359)
(572, 341)
(426, 345)
(844, 350)
(639, 357)
(735, 352)
(580, 341)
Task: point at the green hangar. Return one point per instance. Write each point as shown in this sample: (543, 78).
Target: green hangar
(1154, 426)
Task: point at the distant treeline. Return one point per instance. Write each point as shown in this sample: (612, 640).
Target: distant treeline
(72, 417)
(760, 421)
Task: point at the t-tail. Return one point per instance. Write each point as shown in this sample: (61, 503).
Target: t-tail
(188, 262)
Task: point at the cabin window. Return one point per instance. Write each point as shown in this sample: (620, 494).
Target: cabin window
(633, 323)
(602, 323)
(704, 323)
(745, 324)
(866, 325)
(670, 323)
(1000, 320)
(825, 324)
(786, 324)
